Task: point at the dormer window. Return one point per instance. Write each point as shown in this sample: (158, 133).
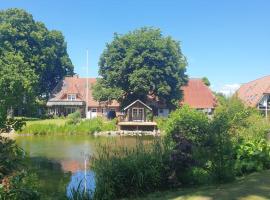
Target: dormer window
(71, 97)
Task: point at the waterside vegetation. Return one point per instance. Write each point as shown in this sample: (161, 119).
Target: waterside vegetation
(71, 125)
(195, 151)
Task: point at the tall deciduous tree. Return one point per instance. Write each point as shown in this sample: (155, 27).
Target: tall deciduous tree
(17, 83)
(43, 51)
(140, 63)
(206, 81)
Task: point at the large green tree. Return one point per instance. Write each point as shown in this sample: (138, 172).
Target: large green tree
(17, 83)
(41, 50)
(141, 63)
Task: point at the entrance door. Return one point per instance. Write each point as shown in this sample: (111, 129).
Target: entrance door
(93, 112)
(137, 114)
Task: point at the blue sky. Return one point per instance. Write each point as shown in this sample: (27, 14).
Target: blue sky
(228, 41)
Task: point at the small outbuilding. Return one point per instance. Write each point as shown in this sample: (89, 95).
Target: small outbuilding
(137, 116)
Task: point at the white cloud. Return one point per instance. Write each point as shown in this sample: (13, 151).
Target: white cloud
(229, 89)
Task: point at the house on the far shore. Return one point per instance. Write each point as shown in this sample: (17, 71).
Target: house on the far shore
(198, 96)
(256, 94)
(71, 94)
(74, 93)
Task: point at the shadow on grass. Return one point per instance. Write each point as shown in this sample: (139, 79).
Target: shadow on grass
(253, 187)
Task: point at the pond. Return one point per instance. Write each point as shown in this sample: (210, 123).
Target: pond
(59, 160)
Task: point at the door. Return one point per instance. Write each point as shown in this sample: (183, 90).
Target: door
(93, 112)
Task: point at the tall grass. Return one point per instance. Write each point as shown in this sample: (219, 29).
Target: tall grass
(86, 126)
(79, 194)
(122, 172)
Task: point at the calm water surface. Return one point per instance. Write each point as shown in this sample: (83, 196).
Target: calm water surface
(59, 160)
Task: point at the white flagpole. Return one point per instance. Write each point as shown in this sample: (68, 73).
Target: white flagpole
(87, 84)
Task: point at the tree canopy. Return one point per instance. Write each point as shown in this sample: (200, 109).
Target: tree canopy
(42, 51)
(206, 81)
(32, 61)
(141, 63)
(17, 83)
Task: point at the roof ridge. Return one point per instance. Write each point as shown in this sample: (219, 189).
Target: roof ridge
(257, 79)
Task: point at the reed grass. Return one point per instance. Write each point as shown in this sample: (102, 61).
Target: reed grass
(122, 172)
(50, 127)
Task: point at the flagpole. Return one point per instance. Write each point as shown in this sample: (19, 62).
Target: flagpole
(87, 84)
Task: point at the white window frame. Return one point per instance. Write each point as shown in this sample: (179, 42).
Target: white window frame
(71, 97)
(138, 113)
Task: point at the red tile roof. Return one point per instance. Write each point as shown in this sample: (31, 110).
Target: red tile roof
(251, 93)
(198, 95)
(76, 85)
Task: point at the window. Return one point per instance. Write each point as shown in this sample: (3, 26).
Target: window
(161, 111)
(103, 110)
(70, 110)
(71, 97)
(94, 110)
(137, 114)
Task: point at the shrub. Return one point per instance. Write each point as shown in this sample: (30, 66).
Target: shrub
(189, 122)
(221, 149)
(74, 118)
(161, 123)
(188, 131)
(12, 124)
(122, 172)
(252, 156)
(11, 156)
(15, 183)
(21, 185)
(198, 176)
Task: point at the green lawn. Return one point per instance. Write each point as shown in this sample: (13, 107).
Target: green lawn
(46, 121)
(253, 187)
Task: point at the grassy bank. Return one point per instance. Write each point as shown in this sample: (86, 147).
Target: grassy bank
(60, 126)
(253, 187)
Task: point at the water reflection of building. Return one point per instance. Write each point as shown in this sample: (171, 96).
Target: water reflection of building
(71, 165)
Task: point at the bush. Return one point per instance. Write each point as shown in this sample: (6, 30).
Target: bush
(74, 118)
(12, 124)
(252, 156)
(221, 149)
(122, 172)
(234, 135)
(15, 183)
(189, 122)
(188, 130)
(20, 186)
(11, 157)
(161, 123)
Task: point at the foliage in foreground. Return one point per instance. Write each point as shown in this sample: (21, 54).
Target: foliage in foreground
(121, 172)
(87, 126)
(15, 182)
(197, 151)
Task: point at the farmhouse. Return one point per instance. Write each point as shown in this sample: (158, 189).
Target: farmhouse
(71, 94)
(198, 96)
(256, 94)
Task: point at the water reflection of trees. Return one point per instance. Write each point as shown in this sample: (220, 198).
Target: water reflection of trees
(52, 179)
